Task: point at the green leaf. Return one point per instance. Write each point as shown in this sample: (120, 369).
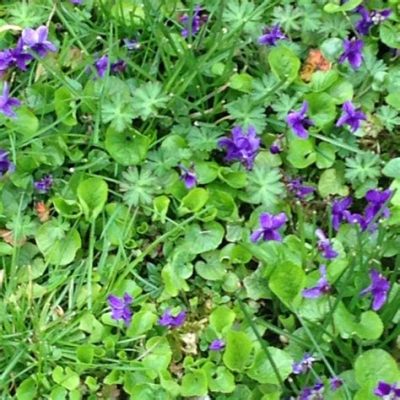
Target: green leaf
(238, 350)
(158, 355)
(201, 239)
(262, 371)
(66, 378)
(161, 205)
(322, 80)
(322, 108)
(331, 48)
(59, 244)
(389, 34)
(341, 91)
(284, 63)
(376, 365)
(65, 107)
(210, 270)
(26, 122)
(92, 195)
(325, 155)
(194, 201)
(27, 389)
(287, 290)
(194, 384)
(85, 353)
(225, 205)
(142, 322)
(393, 100)
(148, 98)
(242, 82)
(348, 6)
(392, 168)
(222, 318)
(220, 379)
(67, 208)
(332, 182)
(126, 148)
(256, 285)
(301, 153)
(235, 179)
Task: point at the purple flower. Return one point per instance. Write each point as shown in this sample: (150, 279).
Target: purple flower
(36, 40)
(19, 57)
(170, 321)
(131, 44)
(368, 19)
(7, 103)
(271, 35)
(76, 2)
(275, 147)
(269, 227)
(217, 345)
(315, 392)
(6, 61)
(194, 23)
(120, 308)
(351, 116)
(352, 51)
(44, 184)
(298, 121)
(340, 211)
(303, 365)
(387, 391)
(379, 289)
(5, 164)
(324, 245)
(322, 287)
(118, 67)
(298, 189)
(335, 383)
(241, 147)
(376, 204)
(188, 176)
(101, 65)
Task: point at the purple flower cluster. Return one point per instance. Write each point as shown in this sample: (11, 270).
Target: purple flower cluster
(103, 63)
(377, 200)
(188, 176)
(315, 392)
(322, 287)
(217, 345)
(387, 391)
(120, 308)
(241, 147)
(269, 226)
(192, 24)
(271, 35)
(378, 288)
(304, 365)
(352, 52)
(5, 164)
(370, 18)
(171, 321)
(7, 103)
(325, 246)
(44, 185)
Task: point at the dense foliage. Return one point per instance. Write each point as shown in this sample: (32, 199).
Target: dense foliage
(199, 200)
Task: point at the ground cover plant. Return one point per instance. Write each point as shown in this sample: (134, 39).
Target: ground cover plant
(199, 200)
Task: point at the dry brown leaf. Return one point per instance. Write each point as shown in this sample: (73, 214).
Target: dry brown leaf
(315, 62)
(42, 211)
(8, 237)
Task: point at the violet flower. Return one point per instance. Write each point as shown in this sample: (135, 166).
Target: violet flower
(340, 211)
(351, 116)
(387, 391)
(7, 103)
(118, 67)
(19, 57)
(304, 365)
(5, 61)
(241, 147)
(299, 190)
(217, 345)
(193, 24)
(188, 176)
(170, 321)
(335, 383)
(315, 392)
(368, 19)
(298, 121)
(275, 147)
(378, 288)
(322, 287)
(376, 201)
(269, 227)
(76, 2)
(271, 35)
(36, 40)
(5, 164)
(44, 185)
(325, 246)
(352, 51)
(101, 65)
(131, 44)
(120, 308)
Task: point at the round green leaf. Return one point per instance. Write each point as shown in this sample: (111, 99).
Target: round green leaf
(389, 34)
(126, 148)
(221, 319)
(322, 108)
(301, 153)
(201, 239)
(237, 351)
(392, 168)
(284, 63)
(92, 195)
(194, 384)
